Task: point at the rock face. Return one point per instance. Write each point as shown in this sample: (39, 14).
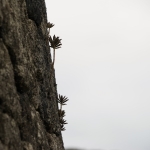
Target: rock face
(28, 97)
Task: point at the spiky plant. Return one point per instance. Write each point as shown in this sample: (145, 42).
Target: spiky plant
(62, 100)
(49, 25)
(61, 113)
(55, 44)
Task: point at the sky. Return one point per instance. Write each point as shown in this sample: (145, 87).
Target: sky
(103, 68)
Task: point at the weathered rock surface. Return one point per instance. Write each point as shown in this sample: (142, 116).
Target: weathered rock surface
(28, 97)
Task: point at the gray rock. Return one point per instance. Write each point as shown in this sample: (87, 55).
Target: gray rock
(28, 97)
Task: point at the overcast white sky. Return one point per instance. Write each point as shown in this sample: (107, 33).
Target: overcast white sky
(103, 68)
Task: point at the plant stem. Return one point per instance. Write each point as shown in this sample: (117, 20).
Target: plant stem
(53, 57)
(49, 31)
(61, 107)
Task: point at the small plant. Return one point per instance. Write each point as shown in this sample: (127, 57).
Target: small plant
(49, 25)
(62, 101)
(55, 43)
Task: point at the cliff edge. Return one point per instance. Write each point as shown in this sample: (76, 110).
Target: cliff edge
(28, 98)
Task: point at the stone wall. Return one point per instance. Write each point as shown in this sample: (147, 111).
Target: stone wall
(28, 98)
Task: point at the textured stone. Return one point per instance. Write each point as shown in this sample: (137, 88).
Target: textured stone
(28, 97)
